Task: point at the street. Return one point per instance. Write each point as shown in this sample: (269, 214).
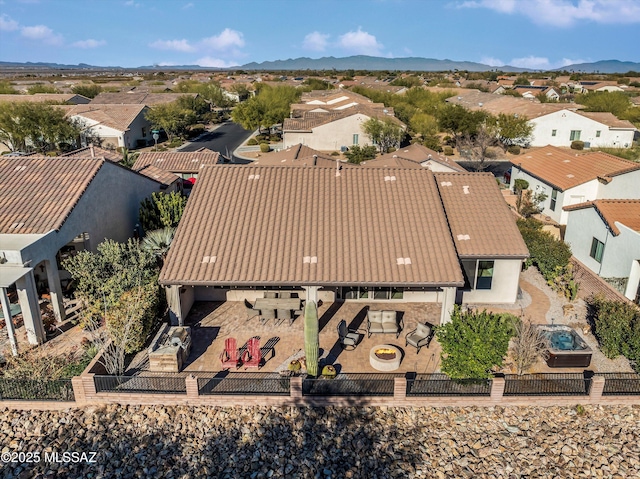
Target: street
(225, 139)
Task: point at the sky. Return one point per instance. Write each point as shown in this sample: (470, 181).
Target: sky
(538, 34)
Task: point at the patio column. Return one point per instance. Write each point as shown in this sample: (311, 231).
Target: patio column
(175, 306)
(8, 321)
(448, 300)
(55, 289)
(312, 293)
(28, 298)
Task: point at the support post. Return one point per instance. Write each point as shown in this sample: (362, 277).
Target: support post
(55, 289)
(295, 384)
(497, 389)
(448, 301)
(28, 298)
(597, 387)
(175, 306)
(400, 388)
(8, 319)
(192, 386)
(312, 293)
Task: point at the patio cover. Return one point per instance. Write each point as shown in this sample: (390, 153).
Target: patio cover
(10, 274)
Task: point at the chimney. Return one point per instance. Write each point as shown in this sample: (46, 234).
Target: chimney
(93, 153)
(337, 167)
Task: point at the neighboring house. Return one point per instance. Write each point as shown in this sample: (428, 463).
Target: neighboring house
(300, 155)
(604, 235)
(360, 234)
(51, 208)
(415, 156)
(92, 151)
(555, 124)
(185, 165)
(138, 98)
(57, 98)
(123, 126)
(568, 178)
(327, 101)
(531, 92)
(588, 86)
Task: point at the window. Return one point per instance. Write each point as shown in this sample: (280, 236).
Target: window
(553, 132)
(355, 138)
(598, 133)
(597, 250)
(554, 198)
(575, 135)
(144, 132)
(485, 275)
(364, 292)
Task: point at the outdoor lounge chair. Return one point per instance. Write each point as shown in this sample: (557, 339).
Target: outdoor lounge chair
(284, 314)
(383, 322)
(229, 357)
(251, 312)
(349, 338)
(268, 314)
(420, 337)
(270, 294)
(252, 356)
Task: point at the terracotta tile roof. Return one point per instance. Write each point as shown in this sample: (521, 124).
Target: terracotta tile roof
(412, 156)
(299, 155)
(496, 104)
(626, 212)
(314, 119)
(144, 98)
(118, 117)
(94, 152)
(164, 177)
(37, 194)
(480, 220)
(177, 162)
(565, 169)
(43, 98)
(608, 119)
(259, 225)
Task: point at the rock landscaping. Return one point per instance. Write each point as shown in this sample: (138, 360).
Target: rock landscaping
(292, 442)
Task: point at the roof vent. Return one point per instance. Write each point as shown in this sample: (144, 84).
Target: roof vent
(459, 98)
(310, 259)
(160, 160)
(446, 183)
(570, 176)
(480, 104)
(395, 156)
(20, 168)
(463, 237)
(465, 189)
(209, 259)
(254, 177)
(549, 154)
(566, 161)
(16, 226)
(194, 160)
(389, 178)
(403, 261)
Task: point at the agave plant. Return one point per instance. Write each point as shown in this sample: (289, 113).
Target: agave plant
(158, 242)
(129, 158)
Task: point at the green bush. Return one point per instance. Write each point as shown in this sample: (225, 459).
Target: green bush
(474, 343)
(252, 142)
(549, 254)
(448, 151)
(335, 153)
(357, 154)
(577, 145)
(617, 327)
(264, 147)
(275, 138)
(260, 138)
(514, 149)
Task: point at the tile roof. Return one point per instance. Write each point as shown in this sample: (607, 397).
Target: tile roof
(608, 119)
(178, 161)
(143, 98)
(37, 194)
(565, 169)
(94, 152)
(118, 117)
(164, 177)
(412, 156)
(299, 155)
(260, 225)
(314, 119)
(496, 104)
(626, 212)
(480, 220)
(43, 98)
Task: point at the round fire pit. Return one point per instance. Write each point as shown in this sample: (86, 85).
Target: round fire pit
(385, 357)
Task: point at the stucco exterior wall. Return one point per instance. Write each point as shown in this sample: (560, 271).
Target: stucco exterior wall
(504, 286)
(625, 186)
(332, 136)
(119, 138)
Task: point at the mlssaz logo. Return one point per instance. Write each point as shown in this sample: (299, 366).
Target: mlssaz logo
(70, 457)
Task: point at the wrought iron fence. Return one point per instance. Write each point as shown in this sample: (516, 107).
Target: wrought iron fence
(37, 389)
(443, 385)
(621, 384)
(148, 384)
(225, 383)
(350, 384)
(547, 384)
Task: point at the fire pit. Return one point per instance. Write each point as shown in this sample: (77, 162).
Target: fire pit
(385, 357)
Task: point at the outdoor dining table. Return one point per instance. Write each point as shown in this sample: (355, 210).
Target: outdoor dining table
(277, 303)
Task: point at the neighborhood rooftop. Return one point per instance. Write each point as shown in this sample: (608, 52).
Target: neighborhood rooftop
(94, 152)
(565, 169)
(130, 98)
(299, 155)
(119, 117)
(177, 162)
(626, 212)
(412, 156)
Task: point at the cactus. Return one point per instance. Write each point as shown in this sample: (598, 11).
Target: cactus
(311, 338)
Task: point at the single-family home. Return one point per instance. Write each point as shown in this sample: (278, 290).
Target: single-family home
(184, 164)
(604, 235)
(300, 155)
(51, 208)
(531, 92)
(357, 234)
(138, 98)
(585, 86)
(92, 151)
(415, 156)
(568, 177)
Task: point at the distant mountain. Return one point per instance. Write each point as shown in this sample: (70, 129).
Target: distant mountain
(32, 65)
(603, 66)
(363, 62)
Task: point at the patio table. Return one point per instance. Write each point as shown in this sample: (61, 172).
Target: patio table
(277, 303)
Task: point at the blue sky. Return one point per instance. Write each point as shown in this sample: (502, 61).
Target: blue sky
(526, 33)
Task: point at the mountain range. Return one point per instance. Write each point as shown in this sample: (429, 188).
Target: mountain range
(357, 62)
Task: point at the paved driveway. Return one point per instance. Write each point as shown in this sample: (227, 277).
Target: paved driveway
(225, 139)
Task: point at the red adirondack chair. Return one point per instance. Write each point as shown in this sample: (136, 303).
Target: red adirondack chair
(229, 356)
(252, 356)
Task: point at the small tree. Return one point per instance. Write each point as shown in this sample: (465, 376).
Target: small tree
(357, 154)
(474, 343)
(528, 203)
(617, 327)
(386, 134)
(513, 130)
(90, 91)
(172, 118)
(527, 345)
(162, 210)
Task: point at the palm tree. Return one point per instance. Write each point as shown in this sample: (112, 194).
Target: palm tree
(158, 242)
(128, 158)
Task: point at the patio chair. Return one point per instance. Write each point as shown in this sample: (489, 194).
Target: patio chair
(420, 337)
(252, 356)
(383, 322)
(229, 357)
(285, 295)
(270, 294)
(251, 312)
(268, 314)
(284, 314)
(349, 338)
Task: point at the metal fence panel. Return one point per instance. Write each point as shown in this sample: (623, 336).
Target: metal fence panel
(271, 384)
(37, 389)
(351, 384)
(547, 384)
(621, 384)
(443, 385)
(156, 384)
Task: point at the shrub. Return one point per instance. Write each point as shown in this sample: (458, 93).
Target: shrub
(549, 254)
(357, 154)
(275, 138)
(474, 343)
(514, 149)
(577, 145)
(617, 327)
(252, 142)
(527, 346)
(490, 154)
(335, 153)
(264, 147)
(260, 138)
(448, 151)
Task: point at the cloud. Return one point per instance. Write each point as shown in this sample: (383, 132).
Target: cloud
(535, 63)
(316, 41)
(228, 38)
(214, 63)
(360, 42)
(89, 43)
(492, 62)
(187, 5)
(43, 33)
(7, 24)
(564, 13)
(175, 45)
(132, 3)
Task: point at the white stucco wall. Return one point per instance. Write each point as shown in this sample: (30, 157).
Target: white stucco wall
(564, 121)
(625, 186)
(331, 136)
(127, 138)
(504, 286)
